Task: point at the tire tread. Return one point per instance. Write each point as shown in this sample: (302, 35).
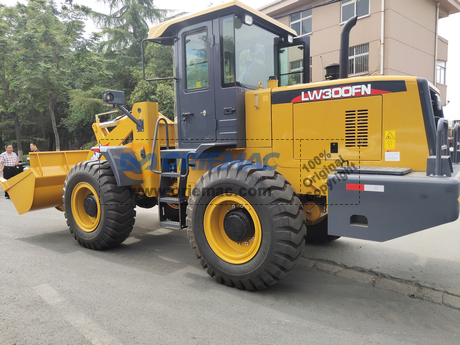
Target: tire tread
(286, 211)
(117, 201)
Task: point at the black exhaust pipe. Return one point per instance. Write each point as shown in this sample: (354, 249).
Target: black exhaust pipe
(344, 45)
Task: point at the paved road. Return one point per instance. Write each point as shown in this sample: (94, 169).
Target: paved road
(430, 258)
(152, 290)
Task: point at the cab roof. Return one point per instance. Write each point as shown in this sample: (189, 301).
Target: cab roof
(171, 27)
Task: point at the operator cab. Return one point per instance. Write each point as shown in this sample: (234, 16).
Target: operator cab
(219, 54)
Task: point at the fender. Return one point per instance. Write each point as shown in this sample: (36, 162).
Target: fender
(125, 166)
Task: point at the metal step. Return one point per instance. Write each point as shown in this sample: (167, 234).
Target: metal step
(170, 174)
(182, 152)
(172, 200)
(170, 224)
(357, 169)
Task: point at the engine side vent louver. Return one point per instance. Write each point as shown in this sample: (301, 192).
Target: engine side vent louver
(357, 128)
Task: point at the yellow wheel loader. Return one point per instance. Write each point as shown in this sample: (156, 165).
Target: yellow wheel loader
(258, 160)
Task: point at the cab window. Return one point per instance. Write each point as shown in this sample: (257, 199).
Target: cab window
(248, 53)
(291, 65)
(196, 60)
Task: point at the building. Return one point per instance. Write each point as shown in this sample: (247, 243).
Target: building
(392, 37)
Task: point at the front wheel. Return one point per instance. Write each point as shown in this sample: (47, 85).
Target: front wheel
(100, 214)
(246, 225)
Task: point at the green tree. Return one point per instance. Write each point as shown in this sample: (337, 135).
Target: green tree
(43, 56)
(49, 40)
(83, 105)
(159, 64)
(124, 29)
(127, 24)
(15, 102)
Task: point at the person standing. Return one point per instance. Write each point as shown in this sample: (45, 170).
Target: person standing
(34, 147)
(8, 162)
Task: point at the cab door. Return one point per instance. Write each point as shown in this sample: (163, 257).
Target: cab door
(195, 95)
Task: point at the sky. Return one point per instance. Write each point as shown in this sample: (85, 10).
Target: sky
(448, 28)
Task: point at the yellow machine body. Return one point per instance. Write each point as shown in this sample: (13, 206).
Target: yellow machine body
(368, 131)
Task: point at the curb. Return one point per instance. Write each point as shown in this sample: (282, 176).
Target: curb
(384, 281)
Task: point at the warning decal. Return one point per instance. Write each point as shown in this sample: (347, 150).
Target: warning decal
(390, 140)
(392, 156)
(366, 187)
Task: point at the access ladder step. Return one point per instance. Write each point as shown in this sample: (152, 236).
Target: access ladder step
(358, 169)
(172, 200)
(170, 224)
(180, 153)
(170, 174)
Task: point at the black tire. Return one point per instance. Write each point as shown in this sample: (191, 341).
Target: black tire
(317, 234)
(113, 218)
(145, 201)
(278, 209)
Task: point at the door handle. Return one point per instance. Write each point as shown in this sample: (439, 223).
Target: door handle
(229, 110)
(184, 116)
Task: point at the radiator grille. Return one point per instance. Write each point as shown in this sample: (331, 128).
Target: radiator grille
(357, 128)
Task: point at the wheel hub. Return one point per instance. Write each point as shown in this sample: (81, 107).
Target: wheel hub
(90, 205)
(238, 225)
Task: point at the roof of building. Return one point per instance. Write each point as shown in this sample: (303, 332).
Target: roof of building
(279, 8)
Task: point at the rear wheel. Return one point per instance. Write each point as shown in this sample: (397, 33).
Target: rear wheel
(144, 201)
(317, 234)
(99, 213)
(246, 225)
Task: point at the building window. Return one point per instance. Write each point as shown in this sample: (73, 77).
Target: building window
(296, 72)
(441, 72)
(358, 59)
(301, 22)
(351, 8)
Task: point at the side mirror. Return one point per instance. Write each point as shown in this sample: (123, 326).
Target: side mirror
(151, 49)
(114, 97)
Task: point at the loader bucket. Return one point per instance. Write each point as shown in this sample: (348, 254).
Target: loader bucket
(41, 186)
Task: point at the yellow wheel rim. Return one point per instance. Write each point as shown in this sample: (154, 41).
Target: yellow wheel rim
(172, 191)
(224, 247)
(84, 221)
(173, 206)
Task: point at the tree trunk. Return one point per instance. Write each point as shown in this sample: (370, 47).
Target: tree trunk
(51, 104)
(2, 139)
(17, 127)
(42, 125)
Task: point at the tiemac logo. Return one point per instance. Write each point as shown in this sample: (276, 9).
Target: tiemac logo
(137, 168)
(337, 92)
